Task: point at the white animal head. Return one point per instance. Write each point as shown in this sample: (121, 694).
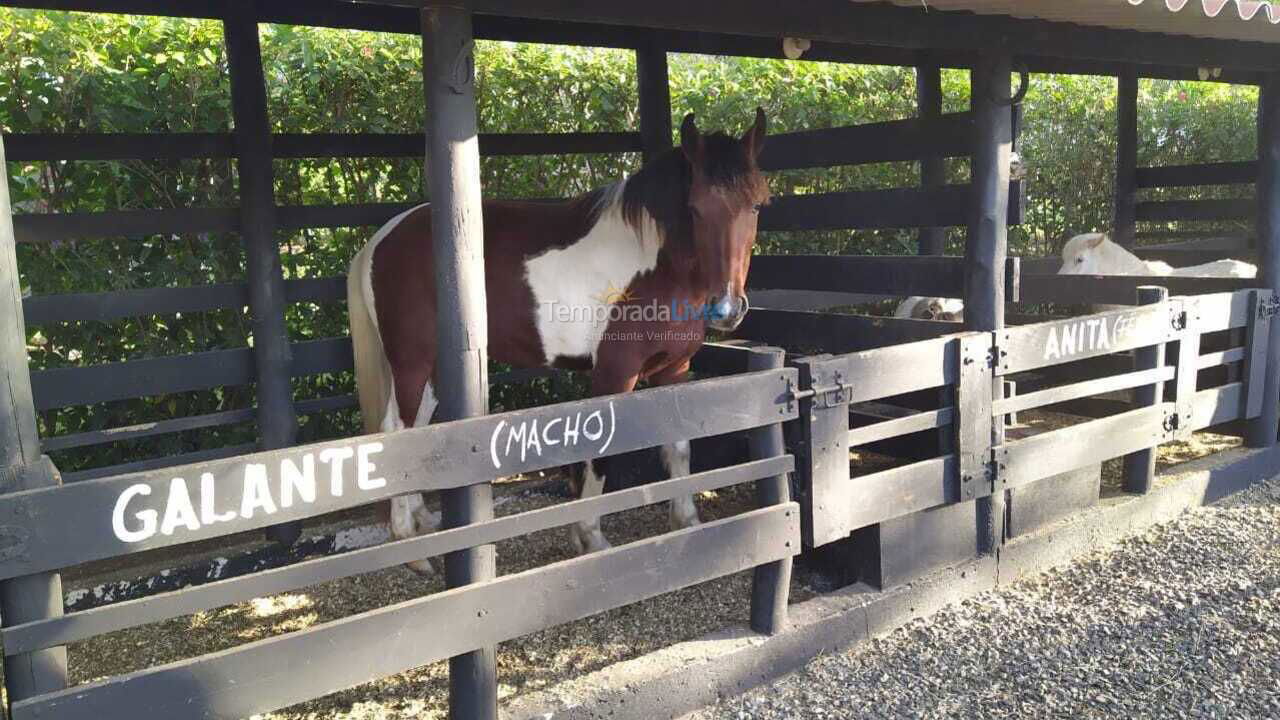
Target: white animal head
(932, 308)
(1096, 254)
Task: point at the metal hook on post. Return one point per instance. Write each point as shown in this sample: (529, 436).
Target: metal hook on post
(1024, 81)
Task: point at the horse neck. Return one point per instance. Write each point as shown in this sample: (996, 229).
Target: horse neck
(1129, 264)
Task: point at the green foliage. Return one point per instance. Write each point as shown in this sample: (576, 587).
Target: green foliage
(65, 73)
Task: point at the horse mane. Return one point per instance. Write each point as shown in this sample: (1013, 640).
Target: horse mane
(660, 190)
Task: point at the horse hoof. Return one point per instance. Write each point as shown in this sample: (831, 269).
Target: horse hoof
(685, 523)
(422, 568)
(594, 542)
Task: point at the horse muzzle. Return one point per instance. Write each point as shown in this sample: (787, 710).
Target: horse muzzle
(726, 313)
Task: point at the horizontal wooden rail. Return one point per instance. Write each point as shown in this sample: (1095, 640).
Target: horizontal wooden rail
(1223, 173)
(64, 387)
(36, 147)
(918, 422)
(157, 463)
(892, 141)
(1170, 210)
(1030, 347)
(60, 227)
(258, 677)
(810, 332)
(1075, 391)
(1060, 451)
(117, 304)
(899, 275)
(889, 494)
(1216, 406)
(1117, 289)
(878, 374)
(1222, 357)
(108, 618)
(879, 209)
(438, 457)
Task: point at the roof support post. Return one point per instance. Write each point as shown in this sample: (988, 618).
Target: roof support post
(453, 184)
(273, 358)
(933, 240)
(1263, 430)
(987, 244)
(1126, 200)
(33, 597)
(655, 97)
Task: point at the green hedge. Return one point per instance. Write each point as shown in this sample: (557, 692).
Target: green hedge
(81, 73)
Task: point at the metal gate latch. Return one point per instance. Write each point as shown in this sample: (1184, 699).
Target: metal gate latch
(825, 396)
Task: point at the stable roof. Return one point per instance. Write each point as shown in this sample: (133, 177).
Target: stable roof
(1220, 19)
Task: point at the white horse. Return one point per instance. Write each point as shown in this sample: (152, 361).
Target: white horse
(1097, 254)
(931, 308)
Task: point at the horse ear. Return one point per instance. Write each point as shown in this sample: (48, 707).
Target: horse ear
(1096, 240)
(754, 137)
(691, 140)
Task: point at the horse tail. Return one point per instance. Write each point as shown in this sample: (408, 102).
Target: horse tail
(373, 372)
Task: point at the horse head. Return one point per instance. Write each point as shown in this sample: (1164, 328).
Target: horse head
(725, 193)
(1096, 254)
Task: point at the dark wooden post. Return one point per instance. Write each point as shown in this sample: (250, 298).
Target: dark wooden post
(34, 597)
(1126, 156)
(933, 240)
(655, 98)
(273, 358)
(1140, 467)
(1263, 430)
(771, 583)
(453, 183)
(987, 244)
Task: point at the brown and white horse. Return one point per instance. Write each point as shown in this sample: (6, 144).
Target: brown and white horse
(604, 282)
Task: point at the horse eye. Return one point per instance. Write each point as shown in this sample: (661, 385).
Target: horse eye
(756, 208)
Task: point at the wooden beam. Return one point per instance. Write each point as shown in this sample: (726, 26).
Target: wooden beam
(1263, 431)
(1224, 173)
(277, 422)
(457, 233)
(911, 139)
(932, 240)
(385, 18)
(911, 28)
(39, 596)
(655, 99)
(908, 207)
(1126, 196)
(987, 248)
(1171, 210)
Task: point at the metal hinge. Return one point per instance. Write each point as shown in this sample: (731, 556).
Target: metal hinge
(1172, 422)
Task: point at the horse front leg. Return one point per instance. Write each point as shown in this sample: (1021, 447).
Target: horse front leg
(682, 512)
(586, 535)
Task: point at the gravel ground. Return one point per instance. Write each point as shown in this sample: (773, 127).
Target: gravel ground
(1182, 621)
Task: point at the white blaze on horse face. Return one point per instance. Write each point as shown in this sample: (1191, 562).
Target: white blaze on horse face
(587, 537)
(683, 512)
(574, 286)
